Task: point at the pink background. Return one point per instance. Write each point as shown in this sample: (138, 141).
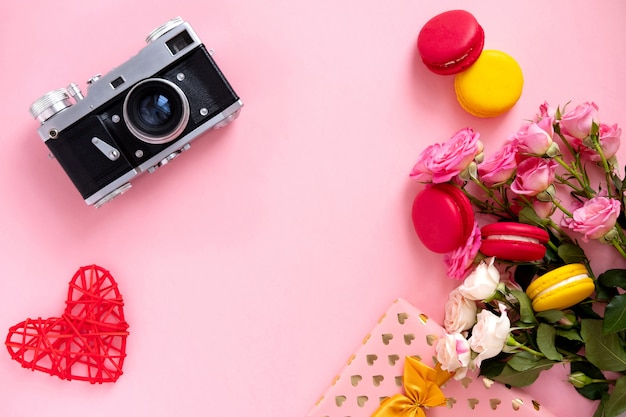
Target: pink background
(253, 265)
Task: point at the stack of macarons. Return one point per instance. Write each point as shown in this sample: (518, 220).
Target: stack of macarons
(487, 83)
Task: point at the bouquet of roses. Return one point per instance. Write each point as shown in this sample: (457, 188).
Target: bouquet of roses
(558, 172)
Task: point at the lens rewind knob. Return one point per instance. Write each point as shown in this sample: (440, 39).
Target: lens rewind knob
(50, 104)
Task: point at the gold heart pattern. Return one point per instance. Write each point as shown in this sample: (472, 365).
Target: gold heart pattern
(494, 403)
(374, 373)
(466, 382)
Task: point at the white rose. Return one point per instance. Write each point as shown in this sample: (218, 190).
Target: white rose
(460, 312)
(482, 282)
(489, 334)
(454, 354)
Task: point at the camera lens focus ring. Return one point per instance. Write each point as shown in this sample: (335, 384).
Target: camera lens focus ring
(156, 111)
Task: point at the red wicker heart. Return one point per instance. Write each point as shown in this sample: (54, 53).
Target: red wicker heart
(87, 343)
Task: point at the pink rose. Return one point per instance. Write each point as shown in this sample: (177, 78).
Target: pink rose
(543, 209)
(421, 171)
(534, 175)
(500, 166)
(536, 138)
(545, 110)
(609, 137)
(460, 313)
(461, 259)
(454, 354)
(441, 162)
(595, 218)
(490, 334)
(577, 123)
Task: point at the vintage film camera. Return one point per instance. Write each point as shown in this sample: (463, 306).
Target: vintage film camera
(139, 116)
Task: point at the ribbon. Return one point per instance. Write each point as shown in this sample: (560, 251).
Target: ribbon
(421, 385)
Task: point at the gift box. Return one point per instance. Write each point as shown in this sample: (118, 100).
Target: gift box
(374, 373)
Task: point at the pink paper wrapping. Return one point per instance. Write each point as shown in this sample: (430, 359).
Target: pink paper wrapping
(375, 371)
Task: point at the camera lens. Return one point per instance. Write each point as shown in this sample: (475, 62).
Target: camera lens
(156, 111)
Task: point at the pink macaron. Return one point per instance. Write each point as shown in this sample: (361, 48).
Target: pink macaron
(450, 42)
(443, 217)
(514, 241)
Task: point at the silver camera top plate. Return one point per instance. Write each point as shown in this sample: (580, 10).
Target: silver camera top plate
(161, 50)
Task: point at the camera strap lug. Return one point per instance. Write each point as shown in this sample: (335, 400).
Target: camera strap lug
(108, 150)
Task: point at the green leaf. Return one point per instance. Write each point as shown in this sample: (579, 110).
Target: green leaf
(491, 367)
(550, 316)
(616, 404)
(613, 278)
(569, 334)
(603, 350)
(527, 315)
(615, 315)
(605, 293)
(522, 361)
(546, 335)
(515, 378)
(529, 216)
(571, 253)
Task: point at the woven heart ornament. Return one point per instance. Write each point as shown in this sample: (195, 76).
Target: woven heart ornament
(87, 342)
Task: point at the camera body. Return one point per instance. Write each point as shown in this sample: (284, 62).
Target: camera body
(139, 116)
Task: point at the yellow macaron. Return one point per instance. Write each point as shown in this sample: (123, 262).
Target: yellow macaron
(491, 86)
(560, 288)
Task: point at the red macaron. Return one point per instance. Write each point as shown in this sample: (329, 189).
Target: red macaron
(443, 217)
(514, 241)
(450, 42)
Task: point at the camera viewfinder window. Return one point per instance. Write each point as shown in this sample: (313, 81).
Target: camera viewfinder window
(179, 42)
(117, 82)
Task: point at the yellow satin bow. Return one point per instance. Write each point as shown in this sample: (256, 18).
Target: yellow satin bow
(421, 384)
